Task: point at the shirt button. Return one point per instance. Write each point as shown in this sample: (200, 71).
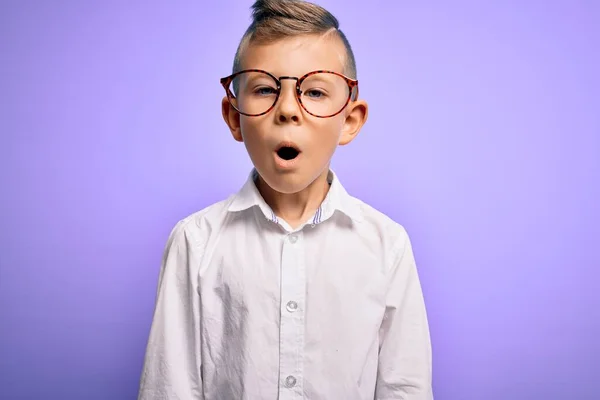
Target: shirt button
(293, 239)
(290, 381)
(292, 306)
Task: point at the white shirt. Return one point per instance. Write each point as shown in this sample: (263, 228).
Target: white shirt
(248, 308)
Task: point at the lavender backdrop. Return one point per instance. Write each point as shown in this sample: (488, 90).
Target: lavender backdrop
(483, 140)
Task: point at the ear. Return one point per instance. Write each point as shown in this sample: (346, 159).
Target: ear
(232, 119)
(356, 116)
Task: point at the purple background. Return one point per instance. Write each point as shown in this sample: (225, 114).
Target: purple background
(483, 141)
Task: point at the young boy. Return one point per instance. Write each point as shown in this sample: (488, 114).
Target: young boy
(291, 288)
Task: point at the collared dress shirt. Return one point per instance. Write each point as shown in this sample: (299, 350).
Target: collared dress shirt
(249, 308)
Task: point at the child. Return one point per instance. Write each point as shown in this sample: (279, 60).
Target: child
(291, 288)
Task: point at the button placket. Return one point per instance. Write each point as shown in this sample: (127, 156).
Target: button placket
(292, 319)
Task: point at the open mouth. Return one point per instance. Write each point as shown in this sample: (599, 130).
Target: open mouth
(287, 152)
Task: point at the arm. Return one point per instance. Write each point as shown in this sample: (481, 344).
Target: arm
(172, 363)
(404, 370)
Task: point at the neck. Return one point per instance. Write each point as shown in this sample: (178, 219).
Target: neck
(296, 208)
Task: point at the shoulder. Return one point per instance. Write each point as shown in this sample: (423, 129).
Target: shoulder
(378, 220)
(197, 228)
(376, 223)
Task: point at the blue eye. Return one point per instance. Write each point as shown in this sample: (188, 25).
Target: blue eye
(265, 91)
(314, 93)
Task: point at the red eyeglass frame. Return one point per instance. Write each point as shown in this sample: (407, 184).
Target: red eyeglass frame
(352, 85)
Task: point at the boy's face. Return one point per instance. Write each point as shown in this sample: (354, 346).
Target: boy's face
(315, 138)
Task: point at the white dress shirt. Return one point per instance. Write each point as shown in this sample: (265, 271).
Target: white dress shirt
(248, 308)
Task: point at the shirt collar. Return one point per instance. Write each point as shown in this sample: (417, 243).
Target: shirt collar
(337, 199)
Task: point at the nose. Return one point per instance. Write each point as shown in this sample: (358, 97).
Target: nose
(288, 109)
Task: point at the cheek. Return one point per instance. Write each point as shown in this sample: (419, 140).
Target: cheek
(253, 136)
(248, 127)
(252, 130)
(329, 131)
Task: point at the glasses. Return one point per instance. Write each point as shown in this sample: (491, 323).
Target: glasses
(323, 94)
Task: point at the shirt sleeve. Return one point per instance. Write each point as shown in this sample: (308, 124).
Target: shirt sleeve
(405, 366)
(172, 364)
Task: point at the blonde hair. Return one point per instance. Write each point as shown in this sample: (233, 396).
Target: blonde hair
(276, 19)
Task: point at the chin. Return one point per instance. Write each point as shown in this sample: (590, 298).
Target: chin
(286, 183)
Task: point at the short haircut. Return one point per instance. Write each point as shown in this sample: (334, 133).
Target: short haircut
(273, 20)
